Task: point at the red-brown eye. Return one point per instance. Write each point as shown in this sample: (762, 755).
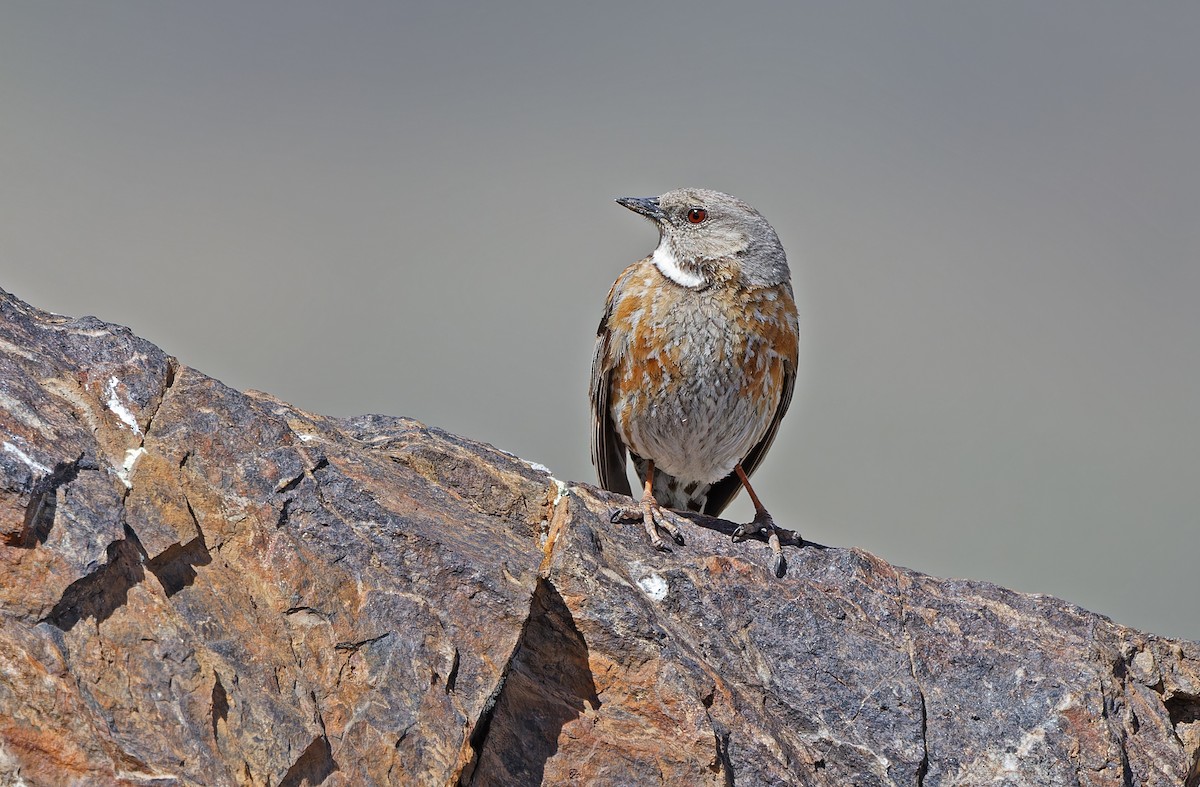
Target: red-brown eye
(697, 215)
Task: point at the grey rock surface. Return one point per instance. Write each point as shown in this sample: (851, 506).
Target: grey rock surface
(202, 586)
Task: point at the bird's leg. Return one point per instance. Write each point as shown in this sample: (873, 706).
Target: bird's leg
(762, 523)
(652, 514)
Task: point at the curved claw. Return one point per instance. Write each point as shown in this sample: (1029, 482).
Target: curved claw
(653, 517)
(778, 561)
(625, 514)
(763, 526)
(746, 532)
(779, 566)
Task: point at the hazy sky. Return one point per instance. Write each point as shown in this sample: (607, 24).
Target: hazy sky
(992, 212)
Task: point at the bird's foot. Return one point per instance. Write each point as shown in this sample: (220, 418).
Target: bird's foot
(652, 516)
(763, 526)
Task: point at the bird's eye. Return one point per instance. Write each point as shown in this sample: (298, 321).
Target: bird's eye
(697, 215)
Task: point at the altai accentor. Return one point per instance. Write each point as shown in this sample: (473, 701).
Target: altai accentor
(695, 359)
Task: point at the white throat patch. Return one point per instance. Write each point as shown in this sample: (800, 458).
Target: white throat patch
(666, 263)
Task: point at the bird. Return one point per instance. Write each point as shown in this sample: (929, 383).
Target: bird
(695, 362)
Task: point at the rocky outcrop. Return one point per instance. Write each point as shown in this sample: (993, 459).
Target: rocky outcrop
(201, 586)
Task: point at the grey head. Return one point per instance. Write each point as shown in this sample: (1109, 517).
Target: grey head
(706, 236)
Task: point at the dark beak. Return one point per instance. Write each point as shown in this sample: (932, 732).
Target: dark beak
(647, 206)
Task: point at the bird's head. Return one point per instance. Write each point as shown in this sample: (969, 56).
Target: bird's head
(706, 236)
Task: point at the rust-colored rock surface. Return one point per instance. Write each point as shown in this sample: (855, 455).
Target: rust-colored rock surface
(200, 586)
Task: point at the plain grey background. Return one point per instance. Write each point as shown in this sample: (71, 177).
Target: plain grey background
(991, 211)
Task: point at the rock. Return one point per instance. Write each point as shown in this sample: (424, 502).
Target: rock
(201, 586)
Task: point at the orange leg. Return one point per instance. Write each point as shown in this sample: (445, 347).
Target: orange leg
(762, 522)
(652, 514)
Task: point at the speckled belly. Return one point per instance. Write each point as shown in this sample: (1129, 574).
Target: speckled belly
(700, 389)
